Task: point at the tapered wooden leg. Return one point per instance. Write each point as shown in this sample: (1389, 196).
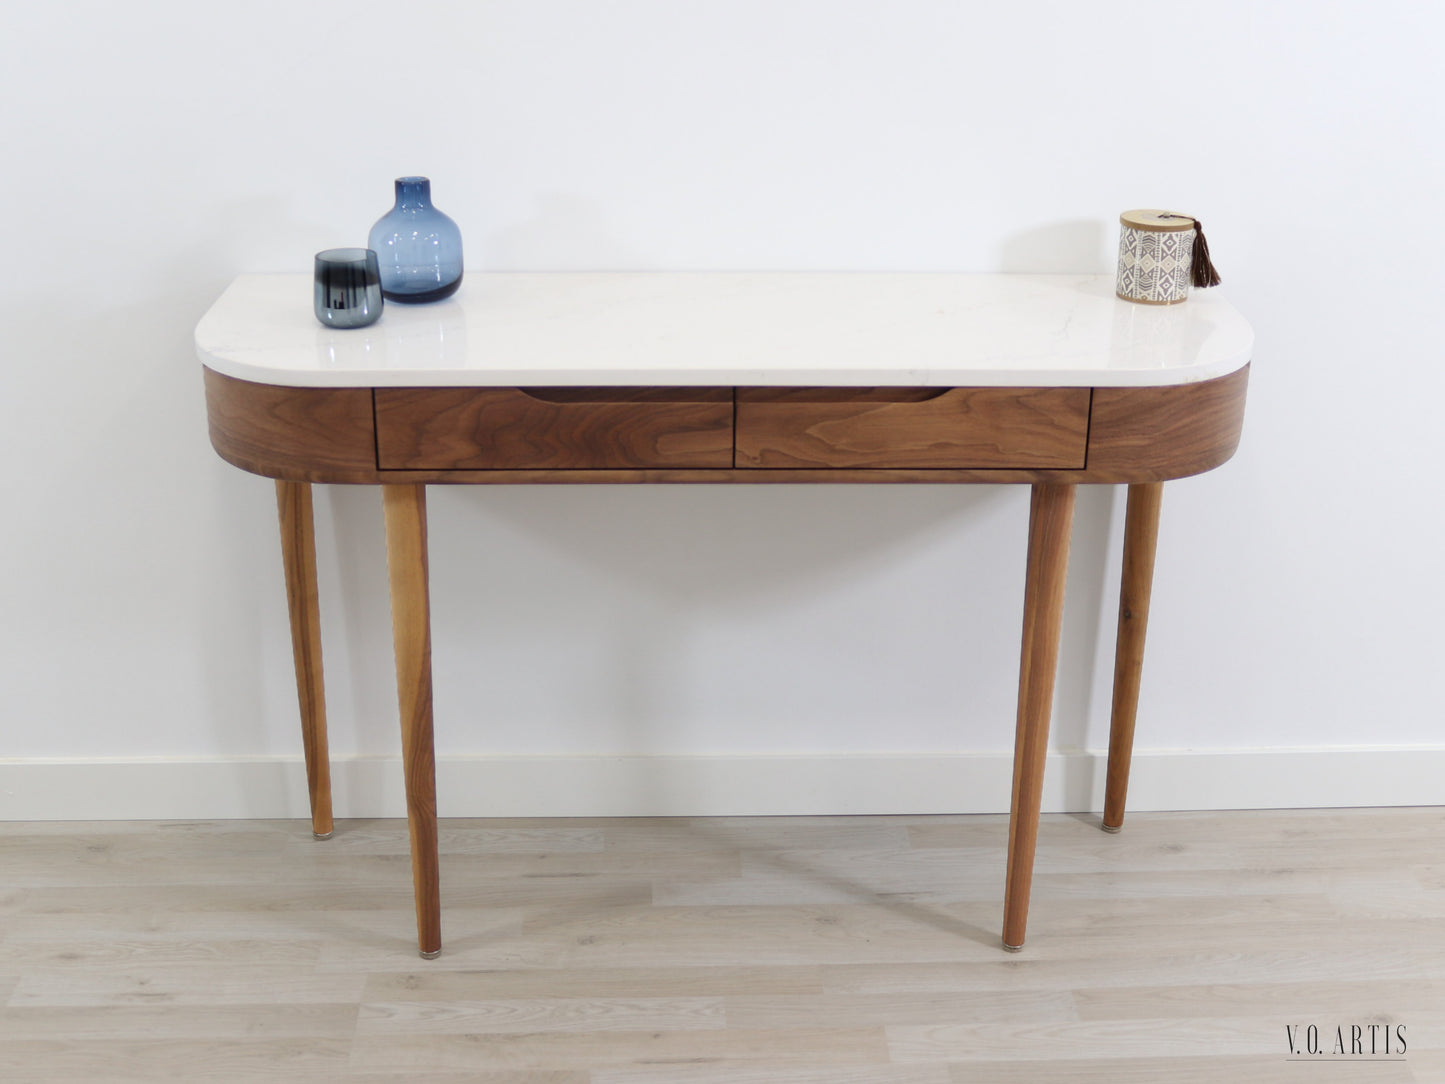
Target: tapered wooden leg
(1051, 513)
(1141, 533)
(406, 559)
(298, 555)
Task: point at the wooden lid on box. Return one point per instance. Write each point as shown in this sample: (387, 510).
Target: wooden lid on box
(1156, 221)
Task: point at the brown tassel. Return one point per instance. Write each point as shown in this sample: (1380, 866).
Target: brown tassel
(1201, 270)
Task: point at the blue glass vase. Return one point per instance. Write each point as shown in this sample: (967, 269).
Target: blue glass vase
(419, 248)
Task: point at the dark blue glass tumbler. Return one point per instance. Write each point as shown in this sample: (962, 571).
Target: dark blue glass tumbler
(348, 287)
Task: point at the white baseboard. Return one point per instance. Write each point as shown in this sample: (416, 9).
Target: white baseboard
(600, 786)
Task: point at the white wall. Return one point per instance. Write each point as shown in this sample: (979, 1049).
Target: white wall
(153, 150)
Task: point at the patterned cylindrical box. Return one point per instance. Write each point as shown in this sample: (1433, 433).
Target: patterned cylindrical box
(1156, 253)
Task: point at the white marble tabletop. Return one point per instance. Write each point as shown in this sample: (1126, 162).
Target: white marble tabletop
(696, 328)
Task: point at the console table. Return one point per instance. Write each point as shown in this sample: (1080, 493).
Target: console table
(1044, 380)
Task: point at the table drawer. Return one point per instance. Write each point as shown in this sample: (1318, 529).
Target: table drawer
(960, 428)
(553, 428)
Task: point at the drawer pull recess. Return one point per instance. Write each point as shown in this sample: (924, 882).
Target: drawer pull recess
(553, 428)
(956, 428)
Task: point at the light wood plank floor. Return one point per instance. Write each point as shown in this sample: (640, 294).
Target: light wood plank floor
(740, 951)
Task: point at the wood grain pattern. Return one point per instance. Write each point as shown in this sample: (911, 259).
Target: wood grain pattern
(438, 984)
(1141, 535)
(298, 557)
(1051, 438)
(1121, 1067)
(598, 1050)
(406, 560)
(1154, 434)
(299, 434)
(115, 972)
(328, 435)
(748, 476)
(561, 428)
(897, 428)
(1051, 514)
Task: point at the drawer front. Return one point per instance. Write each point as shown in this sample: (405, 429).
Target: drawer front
(959, 428)
(553, 428)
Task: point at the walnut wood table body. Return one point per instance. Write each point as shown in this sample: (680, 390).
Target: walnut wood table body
(1043, 380)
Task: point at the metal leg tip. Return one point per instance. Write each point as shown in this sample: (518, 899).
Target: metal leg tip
(1112, 829)
(432, 955)
(1012, 948)
(324, 835)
